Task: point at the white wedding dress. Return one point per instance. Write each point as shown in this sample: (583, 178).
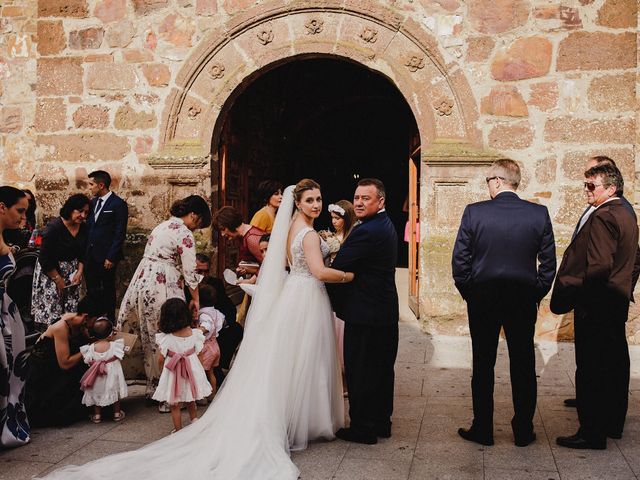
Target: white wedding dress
(283, 390)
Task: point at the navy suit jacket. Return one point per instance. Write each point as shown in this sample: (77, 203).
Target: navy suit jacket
(501, 241)
(370, 251)
(107, 234)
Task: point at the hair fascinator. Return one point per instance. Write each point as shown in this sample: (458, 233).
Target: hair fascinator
(333, 208)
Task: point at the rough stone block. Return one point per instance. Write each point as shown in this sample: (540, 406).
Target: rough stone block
(544, 95)
(91, 116)
(505, 101)
(111, 10)
(143, 7)
(479, 48)
(574, 162)
(557, 17)
(618, 14)
(571, 206)
(177, 30)
(59, 76)
(143, 145)
(597, 51)
(235, 6)
(51, 38)
(546, 170)
(51, 115)
(63, 8)
(13, 11)
(88, 38)
(613, 93)
(84, 147)
(10, 119)
(569, 129)
(120, 34)
(526, 58)
(206, 8)
(509, 136)
(137, 55)
(50, 180)
(157, 74)
(498, 16)
(98, 58)
(111, 76)
(128, 119)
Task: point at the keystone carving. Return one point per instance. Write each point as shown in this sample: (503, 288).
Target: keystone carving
(216, 71)
(314, 26)
(444, 107)
(369, 35)
(414, 63)
(265, 35)
(194, 111)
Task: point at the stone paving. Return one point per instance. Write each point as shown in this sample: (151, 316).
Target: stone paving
(432, 401)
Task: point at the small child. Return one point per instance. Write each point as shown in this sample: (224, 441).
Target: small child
(103, 384)
(183, 379)
(210, 321)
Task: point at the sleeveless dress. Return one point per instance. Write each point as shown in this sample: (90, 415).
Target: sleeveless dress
(284, 390)
(14, 426)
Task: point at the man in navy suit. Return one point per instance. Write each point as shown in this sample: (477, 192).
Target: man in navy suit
(499, 243)
(107, 224)
(369, 308)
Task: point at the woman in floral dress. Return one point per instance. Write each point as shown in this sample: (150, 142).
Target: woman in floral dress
(168, 263)
(14, 427)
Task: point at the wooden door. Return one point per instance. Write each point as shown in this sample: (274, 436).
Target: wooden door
(414, 230)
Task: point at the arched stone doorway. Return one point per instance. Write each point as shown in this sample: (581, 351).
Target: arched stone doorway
(379, 39)
(324, 118)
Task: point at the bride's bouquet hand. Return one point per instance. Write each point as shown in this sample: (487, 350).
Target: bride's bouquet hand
(331, 240)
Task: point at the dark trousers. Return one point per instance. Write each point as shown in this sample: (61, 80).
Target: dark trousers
(228, 340)
(602, 368)
(101, 283)
(516, 312)
(369, 358)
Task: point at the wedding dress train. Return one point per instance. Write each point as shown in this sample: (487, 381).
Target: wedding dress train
(283, 391)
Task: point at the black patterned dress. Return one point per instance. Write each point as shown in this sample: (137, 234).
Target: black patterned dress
(13, 418)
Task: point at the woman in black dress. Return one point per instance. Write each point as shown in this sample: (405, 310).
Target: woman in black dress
(53, 395)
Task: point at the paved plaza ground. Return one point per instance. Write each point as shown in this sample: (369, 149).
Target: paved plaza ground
(432, 401)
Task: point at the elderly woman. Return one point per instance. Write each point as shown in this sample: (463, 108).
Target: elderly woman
(14, 428)
(58, 273)
(53, 395)
(270, 192)
(168, 263)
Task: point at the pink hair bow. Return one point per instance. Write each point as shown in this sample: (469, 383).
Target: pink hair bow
(179, 364)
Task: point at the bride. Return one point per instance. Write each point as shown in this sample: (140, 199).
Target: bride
(285, 387)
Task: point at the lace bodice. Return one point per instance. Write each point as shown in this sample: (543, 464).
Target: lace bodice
(298, 261)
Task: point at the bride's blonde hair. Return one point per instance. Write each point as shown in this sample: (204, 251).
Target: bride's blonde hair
(302, 186)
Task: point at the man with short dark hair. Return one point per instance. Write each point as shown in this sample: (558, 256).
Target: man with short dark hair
(107, 224)
(596, 280)
(369, 308)
(503, 264)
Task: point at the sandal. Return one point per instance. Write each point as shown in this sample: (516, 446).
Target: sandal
(95, 418)
(163, 407)
(119, 416)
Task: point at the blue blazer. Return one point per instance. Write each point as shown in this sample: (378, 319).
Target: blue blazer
(107, 234)
(502, 241)
(370, 251)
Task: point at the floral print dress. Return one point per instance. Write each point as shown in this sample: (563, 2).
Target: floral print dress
(14, 426)
(168, 263)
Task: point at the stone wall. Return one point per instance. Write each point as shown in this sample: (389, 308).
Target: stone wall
(88, 84)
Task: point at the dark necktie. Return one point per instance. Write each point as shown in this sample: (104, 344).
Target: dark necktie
(98, 207)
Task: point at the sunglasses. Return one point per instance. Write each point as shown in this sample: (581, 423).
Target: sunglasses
(488, 179)
(592, 186)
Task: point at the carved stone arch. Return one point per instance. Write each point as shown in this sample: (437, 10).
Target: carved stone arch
(377, 38)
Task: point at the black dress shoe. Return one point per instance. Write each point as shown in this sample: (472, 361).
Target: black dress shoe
(470, 435)
(571, 402)
(524, 440)
(350, 435)
(580, 443)
(614, 435)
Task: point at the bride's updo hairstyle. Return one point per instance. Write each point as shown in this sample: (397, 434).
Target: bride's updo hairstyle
(302, 186)
(195, 204)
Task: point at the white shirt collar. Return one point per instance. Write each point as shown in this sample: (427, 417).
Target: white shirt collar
(505, 191)
(105, 196)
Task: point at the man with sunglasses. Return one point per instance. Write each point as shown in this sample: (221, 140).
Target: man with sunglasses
(596, 278)
(504, 261)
